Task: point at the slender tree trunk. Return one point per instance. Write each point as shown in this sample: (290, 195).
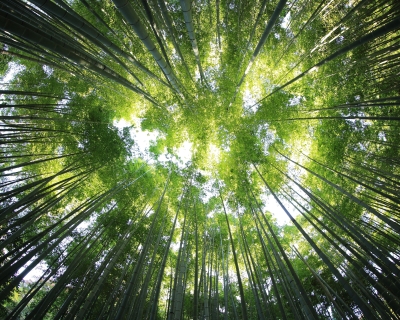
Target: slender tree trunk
(243, 301)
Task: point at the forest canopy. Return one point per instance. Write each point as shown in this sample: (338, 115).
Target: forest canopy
(228, 159)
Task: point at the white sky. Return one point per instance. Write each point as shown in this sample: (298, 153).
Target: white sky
(272, 206)
(143, 140)
(13, 69)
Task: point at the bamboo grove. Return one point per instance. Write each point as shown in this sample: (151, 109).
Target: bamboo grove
(291, 107)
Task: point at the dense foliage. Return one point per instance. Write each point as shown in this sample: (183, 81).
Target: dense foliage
(288, 108)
